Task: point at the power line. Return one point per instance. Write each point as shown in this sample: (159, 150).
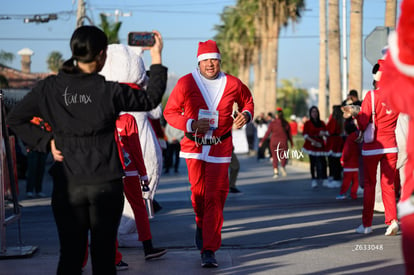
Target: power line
(164, 38)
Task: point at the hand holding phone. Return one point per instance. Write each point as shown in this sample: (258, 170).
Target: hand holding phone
(141, 39)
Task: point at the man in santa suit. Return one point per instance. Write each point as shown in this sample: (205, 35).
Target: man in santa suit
(397, 83)
(383, 149)
(201, 105)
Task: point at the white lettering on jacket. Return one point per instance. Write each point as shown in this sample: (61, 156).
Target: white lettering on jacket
(75, 98)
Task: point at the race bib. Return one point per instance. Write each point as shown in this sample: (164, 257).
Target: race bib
(212, 117)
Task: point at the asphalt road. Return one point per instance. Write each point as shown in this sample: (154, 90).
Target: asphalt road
(274, 227)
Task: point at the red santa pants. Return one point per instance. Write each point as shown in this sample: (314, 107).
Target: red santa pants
(133, 193)
(388, 164)
(280, 153)
(350, 177)
(209, 189)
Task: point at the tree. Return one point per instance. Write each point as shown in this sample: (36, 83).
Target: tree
(276, 14)
(248, 39)
(110, 29)
(6, 57)
(322, 104)
(4, 83)
(390, 13)
(355, 46)
(236, 38)
(334, 57)
(291, 98)
(54, 61)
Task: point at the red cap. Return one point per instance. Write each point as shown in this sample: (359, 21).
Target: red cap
(208, 50)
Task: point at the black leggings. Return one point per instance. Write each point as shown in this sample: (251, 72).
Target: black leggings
(335, 168)
(318, 167)
(79, 208)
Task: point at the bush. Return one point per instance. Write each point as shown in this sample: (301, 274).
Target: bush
(299, 141)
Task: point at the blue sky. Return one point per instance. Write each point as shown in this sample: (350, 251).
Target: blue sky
(183, 23)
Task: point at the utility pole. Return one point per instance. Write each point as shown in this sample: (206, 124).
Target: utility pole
(80, 15)
(117, 14)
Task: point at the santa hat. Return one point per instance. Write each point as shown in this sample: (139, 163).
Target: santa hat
(124, 65)
(208, 50)
(397, 80)
(401, 44)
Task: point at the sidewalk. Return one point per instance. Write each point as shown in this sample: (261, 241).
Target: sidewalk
(274, 227)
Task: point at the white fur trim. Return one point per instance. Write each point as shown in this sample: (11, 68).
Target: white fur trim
(124, 65)
(188, 125)
(377, 76)
(394, 50)
(205, 56)
(131, 173)
(374, 152)
(351, 169)
(205, 158)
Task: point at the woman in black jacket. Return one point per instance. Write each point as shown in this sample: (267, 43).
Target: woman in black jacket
(81, 107)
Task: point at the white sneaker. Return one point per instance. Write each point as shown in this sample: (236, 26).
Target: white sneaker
(392, 229)
(363, 230)
(336, 184)
(314, 184)
(283, 171)
(326, 183)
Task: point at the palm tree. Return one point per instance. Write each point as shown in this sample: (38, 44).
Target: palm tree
(274, 15)
(355, 46)
(249, 36)
(390, 13)
(54, 61)
(110, 29)
(335, 95)
(322, 60)
(235, 39)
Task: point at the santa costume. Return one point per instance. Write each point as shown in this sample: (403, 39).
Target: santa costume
(397, 83)
(334, 146)
(350, 163)
(383, 149)
(131, 72)
(207, 155)
(122, 65)
(314, 131)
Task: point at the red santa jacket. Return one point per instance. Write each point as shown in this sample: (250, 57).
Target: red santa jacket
(310, 130)
(351, 153)
(184, 104)
(385, 123)
(398, 89)
(129, 146)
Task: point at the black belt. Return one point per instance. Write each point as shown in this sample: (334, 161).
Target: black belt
(208, 141)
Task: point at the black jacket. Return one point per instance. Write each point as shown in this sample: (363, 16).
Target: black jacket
(82, 110)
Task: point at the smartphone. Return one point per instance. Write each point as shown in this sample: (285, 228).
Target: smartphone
(141, 39)
(234, 114)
